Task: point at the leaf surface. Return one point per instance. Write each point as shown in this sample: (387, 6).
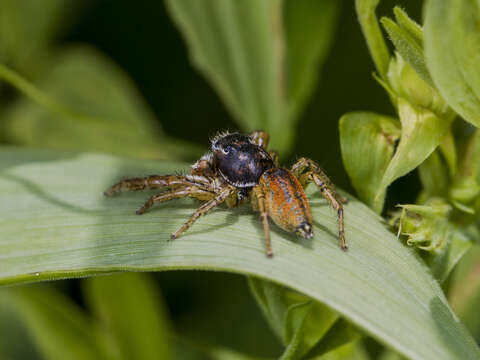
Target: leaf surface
(60, 329)
(85, 102)
(452, 49)
(310, 28)
(422, 132)
(131, 310)
(368, 141)
(55, 223)
(262, 57)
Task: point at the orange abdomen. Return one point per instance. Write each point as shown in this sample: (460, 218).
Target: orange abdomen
(285, 200)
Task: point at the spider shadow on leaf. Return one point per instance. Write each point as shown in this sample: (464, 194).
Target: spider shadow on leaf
(316, 223)
(232, 217)
(39, 191)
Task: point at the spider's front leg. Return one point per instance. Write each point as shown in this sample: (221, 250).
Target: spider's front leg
(157, 182)
(222, 195)
(307, 170)
(261, 138)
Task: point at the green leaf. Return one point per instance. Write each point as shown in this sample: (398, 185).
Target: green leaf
(239, 47)
(14, 342)
(219, 353)
(131, 309)
(452, 48)
(373, 35)
(464, 293)
(262, 57)
(310, 28)
(408, 24)
(26, 29)
(85, 103)
(434, 176)
(444, 262)
(340, 334)
(298, 321)
(449, 152)
(55, 223)
(422, 131)
(60, 329)
(466, 187)
(409, 48)
(351, 351)
(367, 141)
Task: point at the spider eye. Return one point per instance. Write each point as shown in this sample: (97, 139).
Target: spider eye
(226, 149)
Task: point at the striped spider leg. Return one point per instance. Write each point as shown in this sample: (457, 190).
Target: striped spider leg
(307, 170)
(196, 186)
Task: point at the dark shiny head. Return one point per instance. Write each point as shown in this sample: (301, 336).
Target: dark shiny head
(239, 160)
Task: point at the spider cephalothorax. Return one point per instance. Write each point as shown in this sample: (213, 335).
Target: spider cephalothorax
(240, 166)
(239, 160)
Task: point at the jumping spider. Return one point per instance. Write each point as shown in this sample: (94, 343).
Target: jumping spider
(240, 167)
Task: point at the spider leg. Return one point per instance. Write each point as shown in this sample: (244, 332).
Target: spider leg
(302, 169)
(264, 215)
(274, 156)
(307, 170)
(158, 181)
(171, 194)
(260, 138)
(205, 208)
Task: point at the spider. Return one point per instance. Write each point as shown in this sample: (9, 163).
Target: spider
(239, 167)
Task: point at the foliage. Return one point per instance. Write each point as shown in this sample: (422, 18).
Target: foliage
(264, 60)
(440, 224)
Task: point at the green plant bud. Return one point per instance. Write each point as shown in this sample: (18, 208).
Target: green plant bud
(406, 83)
(426, 226)
(435, 207)
(419, 236)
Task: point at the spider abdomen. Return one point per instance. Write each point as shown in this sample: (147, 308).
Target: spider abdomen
(286, 202)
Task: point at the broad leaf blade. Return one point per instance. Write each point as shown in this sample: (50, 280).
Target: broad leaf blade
(310, 27)
(60, 329)
(464, 293)
(68, 229)
(422, 132)
(340, 334)
(452, 48)
(85, 103)
(239, 47)
(26, 29)
(298, 321)
(367, 141)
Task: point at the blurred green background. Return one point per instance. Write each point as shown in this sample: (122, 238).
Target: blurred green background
(141, 39)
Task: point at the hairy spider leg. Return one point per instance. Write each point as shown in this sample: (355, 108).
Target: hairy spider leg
(191, 191)
(260, 138)
(222, 195)
(264, 215)
(158, 181)
(274, 156)
(306, 170)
